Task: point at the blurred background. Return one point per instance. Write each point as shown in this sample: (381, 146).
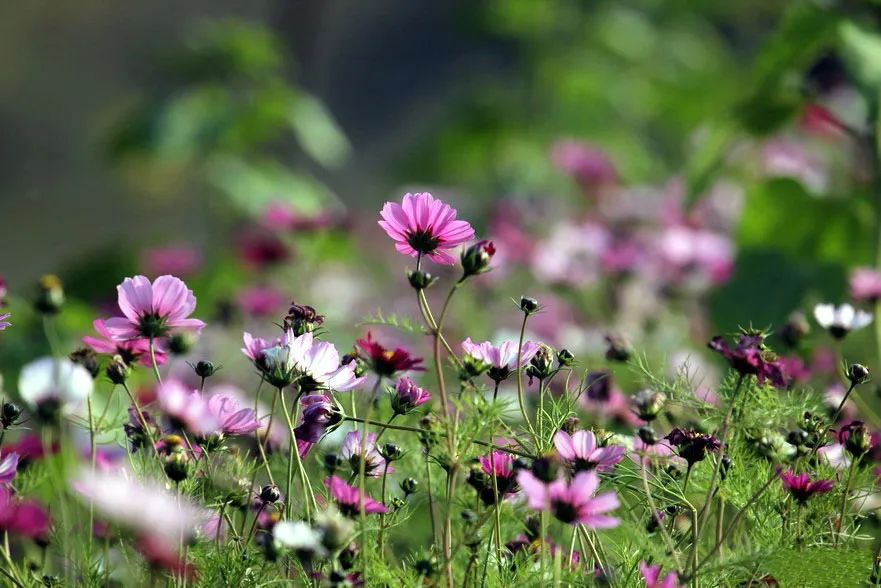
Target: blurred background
(648, 168)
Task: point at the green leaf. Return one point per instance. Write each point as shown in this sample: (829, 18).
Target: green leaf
(317, 131)
(861, 50)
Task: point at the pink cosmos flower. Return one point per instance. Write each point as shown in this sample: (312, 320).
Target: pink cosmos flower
(161, 554)
(802, 488)
(407, 396)
(502, 359)
(652, 577)
(496, 473)
(181, 260)
(8, 467)
(152, 309)
(3, 322)
(352, 452)
(23, 517)
(233, 418)
(349, 499)
(571, 502)
(313, 364)
(262, 301)
(318, 414)
(130, 351)
(186, 408)
(580, 451)
(255, 346)
(865, 285)
(422, 225)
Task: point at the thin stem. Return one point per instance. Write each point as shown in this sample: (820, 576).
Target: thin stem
(147, 430)
(153, 360)
(843, 508)
(520, 399)
(430, 501)
(93, 458)
(382, 514)
(654, 510)
(843, 400)
(385, 427)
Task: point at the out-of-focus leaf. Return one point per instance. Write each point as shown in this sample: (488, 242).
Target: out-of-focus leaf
(252, 185)
(317, 131)
(220, 50)
(861, 50)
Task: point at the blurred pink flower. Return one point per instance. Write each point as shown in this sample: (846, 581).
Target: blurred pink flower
(259, 249)
(153, 309)
(571, 254)
(349, 499)
(865, 285)
(422, 225)
(186, 408)
(789, 159)
(4, 323)
(588, 165)
(179, 260)
(571, 502)
(282, 217)
(22, 517)
(233, 418)
(652, 577)
(261, 301)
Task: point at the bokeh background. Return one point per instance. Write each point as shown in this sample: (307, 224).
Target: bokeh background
(654, 168)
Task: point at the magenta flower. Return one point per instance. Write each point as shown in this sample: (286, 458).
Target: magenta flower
(421, 225)
(153, 309)
(131, 351)
(865, 285)
(260, 301)
(652, 577)
(571, 502)
(233, 418)
(353, 452)
(502, 359)
(349, 499)
(498, 465)
(589, 166)
(408, 396)
(23, 517)
(802, 488)
(387, 362)
(186, 408)
(8, 467)
(750, 357)
(580, 451)
(181, 260)
(3, 322)
(318, 415)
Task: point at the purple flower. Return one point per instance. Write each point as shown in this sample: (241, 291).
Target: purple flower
(318, 414)
(3, 322)
(408, 396)
(802, 488)
(353, 452)
(153, 309)
(580, 451)
(750, 357)
(8, 467)
(422, 225)
(652, 577)
(691, 445)
(349, 499)
(233, 418)
(571, 502)
(501, 359)
(186, 408)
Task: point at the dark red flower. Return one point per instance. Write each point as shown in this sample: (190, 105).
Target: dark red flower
(750, 357)
(802, 488)
(385, 362)
(691, 445)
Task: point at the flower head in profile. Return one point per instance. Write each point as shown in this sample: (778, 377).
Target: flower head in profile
(841, 320)
(802, 488)
(186, 408)
(423, 225)
(23, 517)
(501, 359)
(4, 322)
(300, 537)
(50, 385)
(652, 577)
(131, 350)
(581, 452)
(8, 467)
(349, 499)
(255, 346)
(153, 309)
(865, 285)
(232, 417)
(354, 452)
(572, 502)
(495, 472)
(312, 364)
(749, 356)
(387, 363)
(407, 396)
(691, 445)
(318, 415)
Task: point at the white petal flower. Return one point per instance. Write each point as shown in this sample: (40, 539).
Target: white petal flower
(841, 320)
(53, 379)
(299, 536)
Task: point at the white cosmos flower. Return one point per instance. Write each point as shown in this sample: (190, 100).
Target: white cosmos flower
(298, 536)
(841, 320)
(318, 361)
(59, 380)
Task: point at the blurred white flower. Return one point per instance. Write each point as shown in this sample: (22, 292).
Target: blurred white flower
(298, 536)
(841, 320)
(54, 383)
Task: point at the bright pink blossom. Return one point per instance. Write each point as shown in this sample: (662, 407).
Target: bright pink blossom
(801, 487)
(233, 418)
(131, 351)
(23, 517)
(152, 309)
(571, 502)
(186, 408)
(349, 499)
(652, 577)
(502, 359)
(408, 396)
(580, 451)
(422, 225)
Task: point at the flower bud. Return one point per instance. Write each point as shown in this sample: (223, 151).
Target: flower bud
(50, 295)
(570, 425)
(475, 259)
(205, 369)
(647, 435)
(648, 404)
(426, 567)
(86, 358)
(528, 305)
(181, 342)
(270, 494)
(545, 468)
(332, 462)
(117, 370)
(420, 280)
(360, 365)
(9, 414)
(177, 465)
(391, 452)
(724, 467)
(794, 330)
(428, 431)
(409, 486)
(618, 348)
(857, 374)
(565, 357)
(855, 438)
(302, 319)
(542, 363)
(655, 521)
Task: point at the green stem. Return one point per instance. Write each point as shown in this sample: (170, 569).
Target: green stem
(153, 361)
(843, 509)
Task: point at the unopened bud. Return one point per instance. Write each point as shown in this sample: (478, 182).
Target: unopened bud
(475, 259)
(648, 404)
(420, 280)
(618, 348)
(117, 370)
(182, 342)
(50, 294)
(565, 357)
(205, 369)
(528, 305)
(857, 374)
(86, 358)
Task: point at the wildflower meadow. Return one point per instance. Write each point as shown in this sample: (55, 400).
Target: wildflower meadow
(631, 344)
